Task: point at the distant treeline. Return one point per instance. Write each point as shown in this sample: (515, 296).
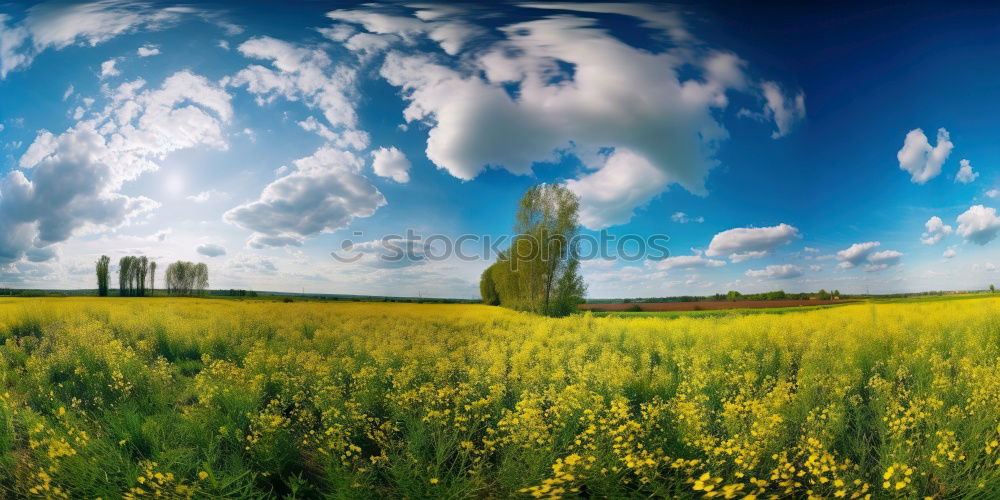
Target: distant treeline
(232, 292)
(782, 295)
(731, 296)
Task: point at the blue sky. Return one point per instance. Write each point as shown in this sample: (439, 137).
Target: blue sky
(793, 148)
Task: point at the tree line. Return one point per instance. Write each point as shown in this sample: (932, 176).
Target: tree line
(540, 272)
(183, 278)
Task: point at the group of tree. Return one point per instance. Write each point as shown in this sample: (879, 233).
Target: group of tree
(187, 278)
(133, 275)
(540, 272)
(183, 278)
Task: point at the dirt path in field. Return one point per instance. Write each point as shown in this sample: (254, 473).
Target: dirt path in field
(709, 305)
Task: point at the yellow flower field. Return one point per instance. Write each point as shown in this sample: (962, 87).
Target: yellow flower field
(218, 398)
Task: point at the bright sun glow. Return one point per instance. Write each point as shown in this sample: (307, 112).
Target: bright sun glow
(174, 183)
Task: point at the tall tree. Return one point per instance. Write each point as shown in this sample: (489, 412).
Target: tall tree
(540, 271)
(102, 275)
(124, 271)
(152, 278)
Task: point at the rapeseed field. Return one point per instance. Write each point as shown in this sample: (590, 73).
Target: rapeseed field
(191, 398)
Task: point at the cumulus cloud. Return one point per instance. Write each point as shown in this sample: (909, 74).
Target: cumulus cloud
(561, 85)
(778, 272)
(211, 250)
(687, 262)
(949, 252)
(57, 25)
(684, 218)
(856, 253)
(610, 195)
(993, 193)
(148, 50)
(865, 253)
(76, 176)
(936, 230)
(750, 242)
(979, 224)
(324, 192)
(922, 161)
(108, 68)
(391, 163)
(965, 173)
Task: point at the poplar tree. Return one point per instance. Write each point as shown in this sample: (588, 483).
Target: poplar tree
(102, 275)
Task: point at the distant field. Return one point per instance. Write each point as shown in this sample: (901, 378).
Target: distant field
(717, 313)
(195, 398)
(708, 305)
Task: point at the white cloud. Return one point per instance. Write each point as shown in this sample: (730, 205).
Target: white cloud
(949, 252)
(57, 25)
(451, 34)
(784, 111)
(993, 193)
(878, 261)
(810, 250)
(211, 250)
(108, 68)
(148, 50)
(251, 263)
(610, 195)
(76, 176)
(687, 262)
(816, 268)
(751, 242)
(367, 45)
(778, 272)
(684, 218)
(922, 161)
(979, 224)
(856, 253)
(864, 253)
(965, 174)
(628, 114)
(337, 32)
(68, 93)
(302, 74)
(936, 230)
(347, 139)
(391, 163)
(742, 256)
(325, 192)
